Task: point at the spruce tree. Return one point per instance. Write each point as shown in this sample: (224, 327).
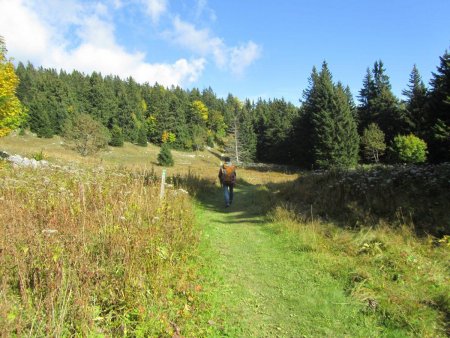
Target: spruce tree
(116, 136)
(438, 135)
(415, 104)
(165, 156)
(328, 123)
(346, 143)
(142, 136)
(379, 105)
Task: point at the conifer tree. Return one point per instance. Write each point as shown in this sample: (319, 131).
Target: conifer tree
(438, 137)
(142, 136)
(331, 126)
(165, 156)
(116, 136)
(379, 105)
(416, 99)
(242, 137)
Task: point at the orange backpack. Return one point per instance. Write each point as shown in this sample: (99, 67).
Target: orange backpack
(227, 173)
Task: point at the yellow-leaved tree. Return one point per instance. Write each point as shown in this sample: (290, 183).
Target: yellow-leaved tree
(11, 110)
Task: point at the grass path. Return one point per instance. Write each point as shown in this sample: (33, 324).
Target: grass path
(266, 283)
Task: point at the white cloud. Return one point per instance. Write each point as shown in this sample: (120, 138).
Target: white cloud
(202, 42)
(198, 41)
(155, 8)
(243, 56)
(22, 40)
(31, 37)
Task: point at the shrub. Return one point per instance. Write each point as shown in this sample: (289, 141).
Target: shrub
(410, 149)
(165, 156)
(86, 135)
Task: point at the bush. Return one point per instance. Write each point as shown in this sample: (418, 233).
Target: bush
(40, 156)
(410, 149)
(165, 156)
(86, 135)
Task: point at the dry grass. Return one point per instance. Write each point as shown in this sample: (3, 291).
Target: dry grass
(95, 252)
(202, 163)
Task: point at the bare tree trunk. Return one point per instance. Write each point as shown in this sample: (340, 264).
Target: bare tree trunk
(236, 140)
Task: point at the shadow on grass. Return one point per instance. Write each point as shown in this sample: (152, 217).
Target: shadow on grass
(250, 203)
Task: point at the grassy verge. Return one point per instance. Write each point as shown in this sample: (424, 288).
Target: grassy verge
(401, 280)
(96, 253)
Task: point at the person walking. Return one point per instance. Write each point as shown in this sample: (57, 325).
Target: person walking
(227, 177)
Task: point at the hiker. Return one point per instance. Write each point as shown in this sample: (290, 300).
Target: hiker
(227, 177)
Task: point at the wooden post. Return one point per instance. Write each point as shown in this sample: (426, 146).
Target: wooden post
(163, 183)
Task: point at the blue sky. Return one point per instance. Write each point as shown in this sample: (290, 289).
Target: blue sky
(250, 48)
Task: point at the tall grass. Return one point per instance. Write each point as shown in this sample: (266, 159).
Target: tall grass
(96, 253)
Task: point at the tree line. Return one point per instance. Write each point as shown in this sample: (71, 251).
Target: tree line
(328, 129)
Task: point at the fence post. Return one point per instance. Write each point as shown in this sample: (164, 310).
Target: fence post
(163, 183)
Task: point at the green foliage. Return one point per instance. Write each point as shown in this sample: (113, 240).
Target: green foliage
(410, 149)
(12, 113)
(274, 130)
(116, 136)
(86, 135)
(373, 142)
(165, 156)
(328, 124)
